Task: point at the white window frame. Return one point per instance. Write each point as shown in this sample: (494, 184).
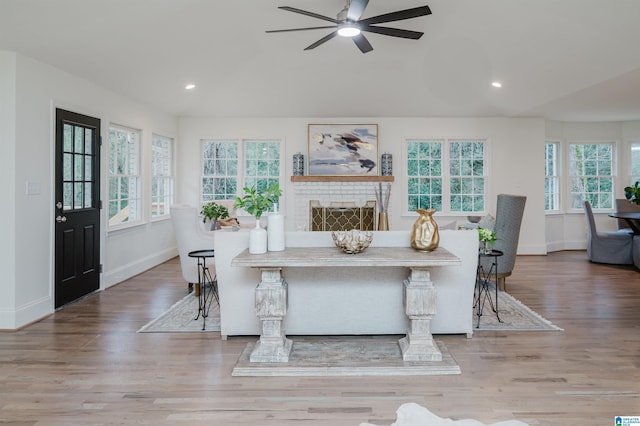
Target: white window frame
(240, 175)
(614, 174)
(446, 173)
(555, 176)
(162, 175)
(118, 222)
(633, 149)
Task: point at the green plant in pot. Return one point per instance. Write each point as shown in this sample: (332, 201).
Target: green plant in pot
(214, 212)
(632, 193)
(256, 202)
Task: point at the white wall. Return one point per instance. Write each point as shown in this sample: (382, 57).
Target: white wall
(39, 89)
(515, 158)
(7, 188)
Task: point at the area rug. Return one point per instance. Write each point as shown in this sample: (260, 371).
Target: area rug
(515, 316)
(181, 318)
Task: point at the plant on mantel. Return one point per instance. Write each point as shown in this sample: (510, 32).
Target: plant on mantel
(632, 193)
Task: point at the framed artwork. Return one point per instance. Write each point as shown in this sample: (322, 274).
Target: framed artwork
(343, 149)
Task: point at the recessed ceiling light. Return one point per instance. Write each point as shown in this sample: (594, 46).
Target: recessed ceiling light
(496, 84)
(190, 86)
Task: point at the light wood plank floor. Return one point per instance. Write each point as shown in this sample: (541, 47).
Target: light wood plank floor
(87, 365)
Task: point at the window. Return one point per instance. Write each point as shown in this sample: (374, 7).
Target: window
(635, 162)
(591, 171)
(467, 176)
(424, 174)
(427, 182)
(551, 177)
(219, 170)
(230, 165)
(124, 175)
(261, 163)
(161, 176)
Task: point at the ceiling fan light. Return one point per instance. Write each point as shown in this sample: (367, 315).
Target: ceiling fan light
(348, 30)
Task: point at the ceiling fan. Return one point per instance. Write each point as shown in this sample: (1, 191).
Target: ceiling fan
(348, 24)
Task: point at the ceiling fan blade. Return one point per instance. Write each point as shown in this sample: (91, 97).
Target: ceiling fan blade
(394, 32)
(356, 9)
(300, 29)
(312, 14)
(322, 40)
(397, 16)
(362, 43)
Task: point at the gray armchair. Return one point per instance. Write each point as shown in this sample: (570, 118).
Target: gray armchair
(509, 212)
(607, 247)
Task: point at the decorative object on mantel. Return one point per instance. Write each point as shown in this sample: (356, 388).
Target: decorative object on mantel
(275, 230)
(487, 239)
(383, 207)
(298, 164)
(255, 202)
(386, 164)
(425, 235)
(343, 149)
(214, 212)
(632, 193)
(353, 241)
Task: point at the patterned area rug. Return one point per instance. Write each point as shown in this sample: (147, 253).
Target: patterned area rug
(514, 314)
(181, 318)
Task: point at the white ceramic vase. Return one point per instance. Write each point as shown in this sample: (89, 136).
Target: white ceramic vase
(258, 239)
(275, 230)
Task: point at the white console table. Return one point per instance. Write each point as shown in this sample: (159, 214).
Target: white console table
(419, 293)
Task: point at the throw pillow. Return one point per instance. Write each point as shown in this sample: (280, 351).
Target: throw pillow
(487, 222)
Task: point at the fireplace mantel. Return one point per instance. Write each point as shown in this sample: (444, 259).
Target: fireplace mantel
(354, 178)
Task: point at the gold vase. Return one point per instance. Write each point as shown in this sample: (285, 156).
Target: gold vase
(425, 235)
(383, 221)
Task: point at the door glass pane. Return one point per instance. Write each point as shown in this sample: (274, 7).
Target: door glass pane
(78, 167)
(88, 167)
(88, 141)
(67, 196)
(79, 139)
(78, 198)
(67, 138)
(87, 195)
(67, 167)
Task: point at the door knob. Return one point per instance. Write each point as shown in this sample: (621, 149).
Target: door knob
(58, 205)
(61, 219)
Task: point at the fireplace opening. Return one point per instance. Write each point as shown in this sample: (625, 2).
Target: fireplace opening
(342, 216)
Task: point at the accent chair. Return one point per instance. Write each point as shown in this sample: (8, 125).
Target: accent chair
(613, 247)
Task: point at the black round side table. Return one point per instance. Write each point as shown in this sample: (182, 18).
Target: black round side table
(483, 279)
(208, 285)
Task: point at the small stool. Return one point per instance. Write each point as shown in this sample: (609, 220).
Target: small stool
(205, 280)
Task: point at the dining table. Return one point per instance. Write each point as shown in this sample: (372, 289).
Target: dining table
(632, 218)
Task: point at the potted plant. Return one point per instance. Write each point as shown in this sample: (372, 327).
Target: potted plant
(256, 202)
(632, 193)
(487, 238)
(214, 212)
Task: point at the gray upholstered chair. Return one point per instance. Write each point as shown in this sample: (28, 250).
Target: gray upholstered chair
(607, 247)
(636, 251)
(509, 212)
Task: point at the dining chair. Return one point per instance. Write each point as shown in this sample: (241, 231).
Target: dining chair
(623, 205)
(611, 247)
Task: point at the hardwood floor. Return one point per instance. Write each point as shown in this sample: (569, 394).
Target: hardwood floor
(87, 365)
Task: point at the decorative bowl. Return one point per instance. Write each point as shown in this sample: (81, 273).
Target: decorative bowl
(474, 219)
(353, 241)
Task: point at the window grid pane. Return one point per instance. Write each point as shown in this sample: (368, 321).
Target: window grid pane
(262, 163)
(591, 169)
(424, 174)
(552, 177)
(467, 176)
(219, 170)
(124, 180)
(162, 175)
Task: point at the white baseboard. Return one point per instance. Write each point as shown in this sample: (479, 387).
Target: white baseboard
(125, 272)
(11, 319)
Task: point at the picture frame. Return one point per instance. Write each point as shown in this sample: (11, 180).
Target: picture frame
(343, 149)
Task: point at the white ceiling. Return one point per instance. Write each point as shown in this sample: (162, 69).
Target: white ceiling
(569, 60)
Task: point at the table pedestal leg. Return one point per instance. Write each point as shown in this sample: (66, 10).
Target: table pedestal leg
(271, 307)
(420, 307)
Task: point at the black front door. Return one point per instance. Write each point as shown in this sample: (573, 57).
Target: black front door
(77, 210)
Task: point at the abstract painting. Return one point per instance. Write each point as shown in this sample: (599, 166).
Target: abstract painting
(343, 149)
